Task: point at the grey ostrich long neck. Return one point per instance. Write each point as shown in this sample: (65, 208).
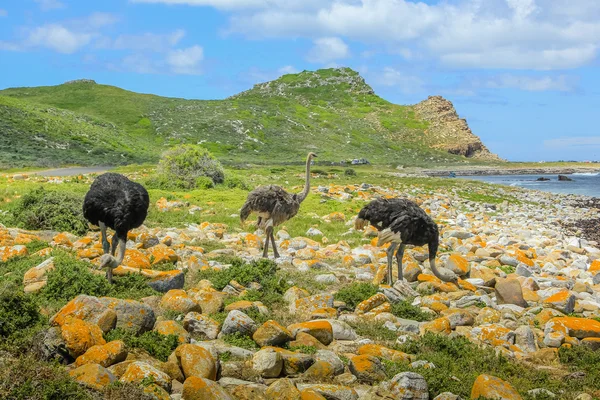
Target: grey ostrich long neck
(304, 193)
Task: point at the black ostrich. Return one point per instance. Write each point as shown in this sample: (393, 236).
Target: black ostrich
(116, 202)
(274, 206)
(401, 221)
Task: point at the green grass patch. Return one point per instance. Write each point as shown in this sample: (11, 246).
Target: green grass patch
(157, 345)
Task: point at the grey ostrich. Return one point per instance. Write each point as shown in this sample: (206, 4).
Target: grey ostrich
(273, 205)
(116, 202)
(402, 222)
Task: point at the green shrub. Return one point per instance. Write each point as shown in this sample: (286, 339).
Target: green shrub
(355, 293)
(17, 311)
(406, 310)
(236, 182)
(349, 172)
(187, 163)
(240, 340)
(304, 349)
(262, 271)
(163, 182)
(204, 182)
(28, 378)
(70, 278)
(157, 345)
(48, 210)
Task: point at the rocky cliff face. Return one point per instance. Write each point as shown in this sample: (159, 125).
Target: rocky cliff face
(449, 132)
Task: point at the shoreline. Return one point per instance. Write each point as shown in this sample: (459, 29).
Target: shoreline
(484, 171)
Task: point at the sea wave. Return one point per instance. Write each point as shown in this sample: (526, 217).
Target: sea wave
(587, 173)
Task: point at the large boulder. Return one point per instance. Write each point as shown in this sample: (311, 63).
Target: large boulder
(508, 291)
(131, 315)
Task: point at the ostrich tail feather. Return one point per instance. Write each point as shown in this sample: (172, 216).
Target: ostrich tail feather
(386, 237)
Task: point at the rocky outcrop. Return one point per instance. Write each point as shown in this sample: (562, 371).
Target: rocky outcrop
(449, 132)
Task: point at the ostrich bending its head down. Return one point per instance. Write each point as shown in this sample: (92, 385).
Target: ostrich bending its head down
(116, 202)
(401, 221)
(274, 206)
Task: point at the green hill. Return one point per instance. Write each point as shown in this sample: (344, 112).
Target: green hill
(332, 112)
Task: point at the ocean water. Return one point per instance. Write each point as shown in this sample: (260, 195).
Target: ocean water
(587, 184)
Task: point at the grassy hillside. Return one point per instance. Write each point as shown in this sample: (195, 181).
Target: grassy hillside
(332, 112)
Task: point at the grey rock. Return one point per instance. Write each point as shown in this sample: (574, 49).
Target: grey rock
(131, 315)
(508, 291)
(544, 393)
(408, 325)
(268, 363)
(196, 323)
(447, 396)
(523, 270)
(326, 278)
(331, 392)
(525, 338)
(341, 330)
(237, 321)
(50, 346)
(508, 260)
(164, 284)
(409, 386)
(332, 358)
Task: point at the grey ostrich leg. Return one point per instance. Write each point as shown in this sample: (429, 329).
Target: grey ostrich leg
(275, 252)
(105, 244)
(266, 249)
(121, 240)
(399, 257)
(113, 247)
(390, 256)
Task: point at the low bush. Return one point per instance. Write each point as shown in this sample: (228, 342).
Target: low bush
(19, 317)
(42, 209)
(28, 378)
(240, 340)
(349, 172)
(406, 310)
(355, 293)
(157, 345)
(186, 163)
(236, 182)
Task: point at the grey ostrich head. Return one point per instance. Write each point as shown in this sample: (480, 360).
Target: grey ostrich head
(108, 261)
(312, 155)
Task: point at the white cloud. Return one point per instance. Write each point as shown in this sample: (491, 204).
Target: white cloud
(288, 69)
(47, 5)
(143, 42)
(405, 82)
(328, 49)
(560, 83)
(511, 34)
(573, 142)
(3, 13)
(58, 38)
(240, 4)
(186, 61)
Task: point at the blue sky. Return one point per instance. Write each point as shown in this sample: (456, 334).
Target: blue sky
(524, 73)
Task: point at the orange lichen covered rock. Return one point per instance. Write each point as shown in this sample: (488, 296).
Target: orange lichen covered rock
(80, 335)
(87, 308)
(62, 239)
(139, 371)
(563, 301)
(594, 267)
(304, 339)
(136, 259)
(9, 252)
(490, 387)
(367, 368)
(271, 333)
(94, 376)
(440, 325)
(196, 361)
(282, 389)
(178, 300)
(321, 370)
(576, 327)
(162, 254)
(90, 253)
(309, 394)
(320, 329)
(195, 388)
(383, 352)
(104, 355)
(370, 303)
(36, 278)
(458, 264)
(172, 328)
(242, 305)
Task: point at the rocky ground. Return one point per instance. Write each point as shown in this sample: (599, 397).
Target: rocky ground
(322, 324)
